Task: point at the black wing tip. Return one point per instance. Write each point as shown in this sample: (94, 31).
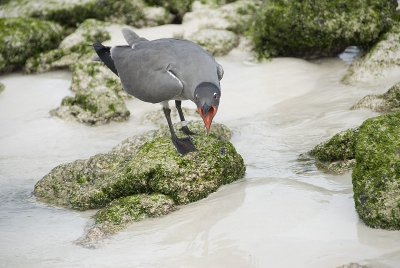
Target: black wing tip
(105, 56)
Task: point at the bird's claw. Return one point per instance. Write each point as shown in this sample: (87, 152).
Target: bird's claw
(186, 130)
(184, 145)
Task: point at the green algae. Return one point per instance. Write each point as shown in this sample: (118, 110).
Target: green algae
(153, 167)
(319, 28)
(376, 175)
(22, 38)
(387, 102)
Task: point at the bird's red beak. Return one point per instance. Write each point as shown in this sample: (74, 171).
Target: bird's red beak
(208, 117)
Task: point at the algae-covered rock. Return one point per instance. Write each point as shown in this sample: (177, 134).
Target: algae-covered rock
(380, 61)
(336, 155)
(176, 7)
(236, 17)
(376, 176)
(216, 42)
(123, 211)
(97, 100)
(75, 48)
(319, 28)
(128, 12)
(154, 167)
(2, 87)
(387, 102)
(22, 38)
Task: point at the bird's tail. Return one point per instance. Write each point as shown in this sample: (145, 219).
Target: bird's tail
(105, 56)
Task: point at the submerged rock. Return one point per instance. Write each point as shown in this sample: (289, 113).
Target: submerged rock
(387, 102)
(376, 176)
(143, 168)
(320, 28)
(337, 154)
(22, 38)
(380, 61)
(216, 42)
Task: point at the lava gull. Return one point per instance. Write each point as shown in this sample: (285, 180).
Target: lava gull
(167, 69)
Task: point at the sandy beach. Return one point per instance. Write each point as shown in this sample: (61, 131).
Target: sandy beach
(284, 213)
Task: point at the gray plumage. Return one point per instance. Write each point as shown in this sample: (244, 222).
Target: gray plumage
(167, 69)
(163, 69)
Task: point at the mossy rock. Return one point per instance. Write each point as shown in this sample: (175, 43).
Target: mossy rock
(22, 38)
(216, 42)
(320, 28)
(2, 87)
(75, 48)
(376, 176)
(128, 12)
(387, 102)
(154, 167)
(176, 7)
(379, 61)
(123, 211)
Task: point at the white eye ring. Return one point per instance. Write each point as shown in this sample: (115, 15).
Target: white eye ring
(215, 95)
(197, 96)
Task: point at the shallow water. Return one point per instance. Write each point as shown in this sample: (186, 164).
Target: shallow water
(284, 213)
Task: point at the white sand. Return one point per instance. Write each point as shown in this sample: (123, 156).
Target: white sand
(284, 213)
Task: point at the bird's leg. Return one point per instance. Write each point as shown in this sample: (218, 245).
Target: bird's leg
(184, 145)
(184, 127)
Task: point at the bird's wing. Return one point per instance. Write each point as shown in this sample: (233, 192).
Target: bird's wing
(146, 73)
(131, 37)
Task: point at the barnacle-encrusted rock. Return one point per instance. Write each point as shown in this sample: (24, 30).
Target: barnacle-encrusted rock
(337, 154)
(376, 175)
(22, 38)
(319, 28)
(216, 42)
(143, 168)
(380, 61)
(387, 102)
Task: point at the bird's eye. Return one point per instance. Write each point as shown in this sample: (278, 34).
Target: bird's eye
(215, 95)
(197, 96)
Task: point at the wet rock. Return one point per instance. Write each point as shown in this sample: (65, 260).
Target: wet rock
(376, 175)
(380, 61)
(126, 210)
(311, 29)
(22, 38)
(216, 42)
(73, 49)
(128, 12)
(2, 87)
(143, 177)
(97, 99)
(236, 17)
(337, 154)
(387, 102)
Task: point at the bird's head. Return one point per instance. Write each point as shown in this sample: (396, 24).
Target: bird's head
(206, 96)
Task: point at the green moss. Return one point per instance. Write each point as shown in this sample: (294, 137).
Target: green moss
(376, 176)
(340, 147)
(124, 11)
(387, 102)
(319, 28)
(22, 38)
(176, 7)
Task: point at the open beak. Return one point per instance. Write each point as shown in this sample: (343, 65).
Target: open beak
(208, 117)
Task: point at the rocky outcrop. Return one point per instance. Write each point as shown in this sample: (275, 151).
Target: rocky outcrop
(372, 151)
(22, 38)
(311, 29)
(380, 61)
(387, 102)
(376, 175)
(216, 42)
(337, 154)
(143, 176)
